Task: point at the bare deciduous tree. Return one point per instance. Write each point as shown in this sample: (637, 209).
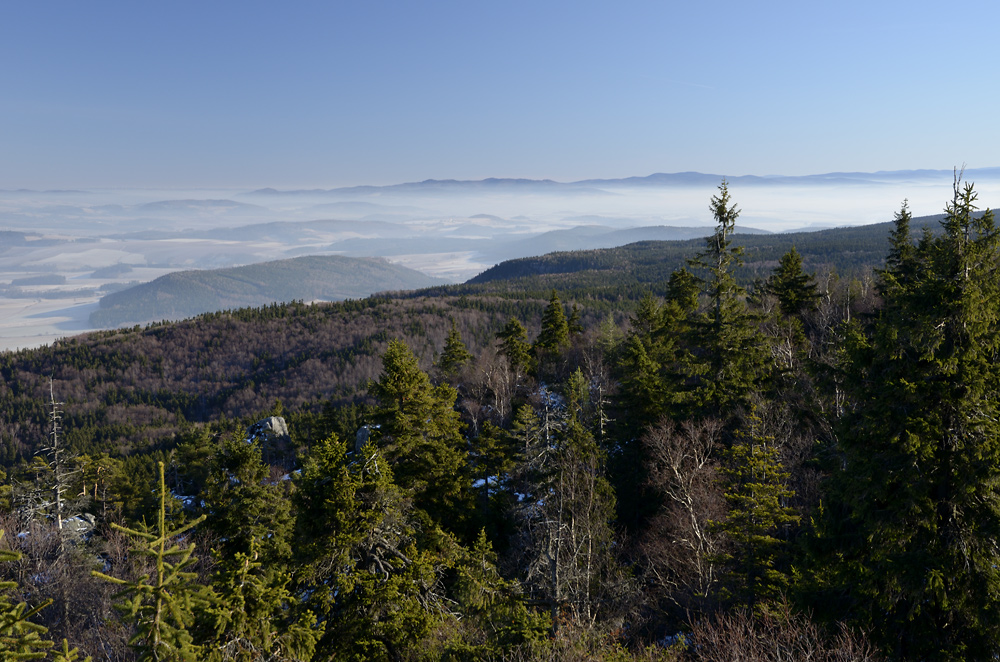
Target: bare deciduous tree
(680, 543)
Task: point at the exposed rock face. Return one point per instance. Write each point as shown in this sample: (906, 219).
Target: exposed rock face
(79, 527)
(273, 427)
(364, 434)
(275, 442)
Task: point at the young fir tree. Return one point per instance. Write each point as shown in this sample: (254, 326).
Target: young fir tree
(757, 495)
(455, 355)
(915, 511)
(20, 639)
(419, 432)
(162, 604)
(66, 654)
(256, 617)
(730, 359)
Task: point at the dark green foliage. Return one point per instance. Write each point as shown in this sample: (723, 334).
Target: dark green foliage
(554, 335)
(683, 290)
(756, 491)
(419, 433)
(455, 355)
(254, 615)
(513, 339)
(574, 325)
(362, 571)
(494, 604)
(794, 288)
(730, 363)
(244, 507)
(655, 359)
(250, 515)
(625, 273)
(916, 504)
(392, 555)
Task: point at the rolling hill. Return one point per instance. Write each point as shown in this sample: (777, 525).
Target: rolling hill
(313, 278)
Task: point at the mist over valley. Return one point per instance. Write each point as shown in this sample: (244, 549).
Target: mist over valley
(62, 251)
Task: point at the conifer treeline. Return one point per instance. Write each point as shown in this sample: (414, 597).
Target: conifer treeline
(796, 468)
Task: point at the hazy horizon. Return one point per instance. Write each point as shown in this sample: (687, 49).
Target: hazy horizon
(98, 241)
(164, 120)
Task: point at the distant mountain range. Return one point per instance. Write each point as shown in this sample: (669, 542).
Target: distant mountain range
(685, 179)
(185, 294)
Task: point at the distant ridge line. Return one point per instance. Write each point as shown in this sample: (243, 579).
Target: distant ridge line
(655, 179)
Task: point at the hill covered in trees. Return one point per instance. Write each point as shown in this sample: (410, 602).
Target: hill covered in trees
(647, 265)
(721, 464)
(188, 293)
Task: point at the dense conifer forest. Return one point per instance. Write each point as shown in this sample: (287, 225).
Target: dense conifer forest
(740, 448)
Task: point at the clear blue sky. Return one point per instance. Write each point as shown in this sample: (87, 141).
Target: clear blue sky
(284, 94)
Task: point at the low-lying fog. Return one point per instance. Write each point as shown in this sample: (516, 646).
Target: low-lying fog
(60, 251)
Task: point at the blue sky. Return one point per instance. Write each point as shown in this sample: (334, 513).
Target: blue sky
(248, 94)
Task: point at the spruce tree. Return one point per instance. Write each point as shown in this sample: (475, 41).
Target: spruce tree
(554, 335)
(419, 432)
(162, 604)
(243, 508)
(757, 495)
(455, 355)
(513, 344)
(654, 361)
(730, 359)
(363, 573)
(794, 288)
(252, 521)
(914, 515)
(20, 639)
(575, 322)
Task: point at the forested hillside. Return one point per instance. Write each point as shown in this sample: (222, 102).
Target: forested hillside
(850, 252)
(738, 448)
(188, 293)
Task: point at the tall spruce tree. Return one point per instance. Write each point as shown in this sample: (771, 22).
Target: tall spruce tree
(730, 360)
(554, 334)
(915, 511)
